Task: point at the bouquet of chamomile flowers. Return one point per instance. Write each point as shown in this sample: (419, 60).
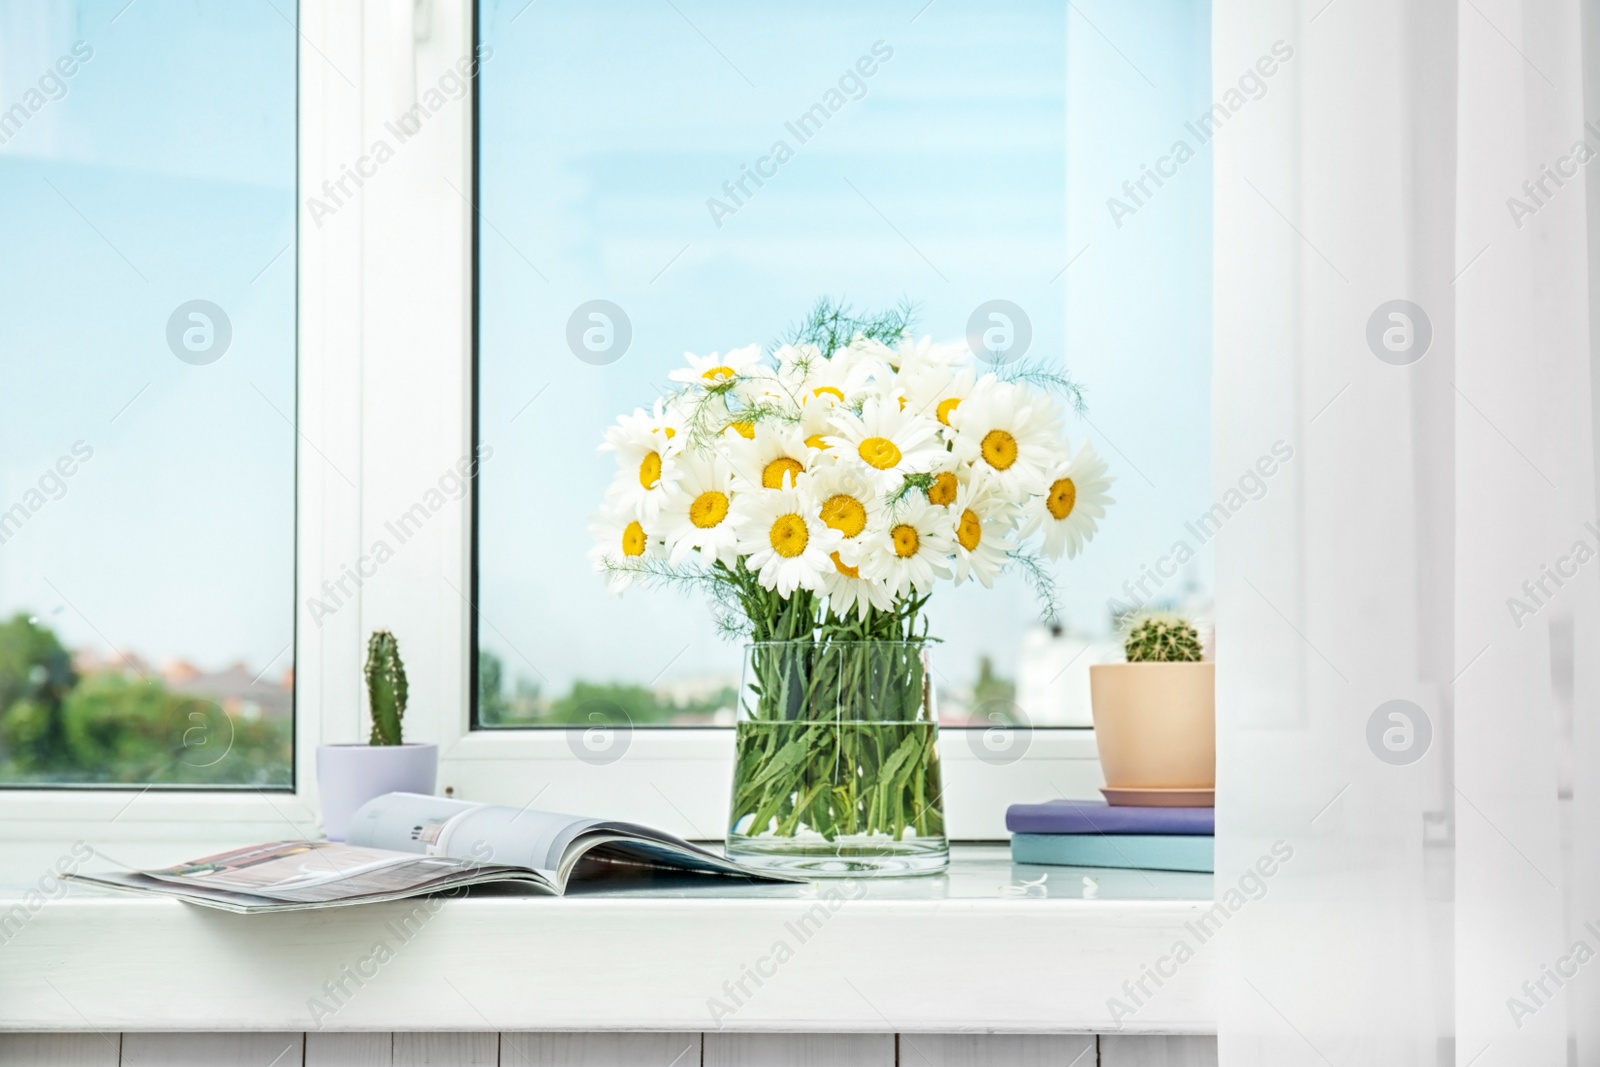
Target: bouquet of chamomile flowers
(824, 488)
(818, 493)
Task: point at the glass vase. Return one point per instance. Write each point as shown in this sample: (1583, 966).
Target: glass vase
(837, 766)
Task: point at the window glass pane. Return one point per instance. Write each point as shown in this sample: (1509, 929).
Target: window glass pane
(147, 392)
(974, 163)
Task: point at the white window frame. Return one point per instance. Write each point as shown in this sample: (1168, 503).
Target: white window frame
(385, 399)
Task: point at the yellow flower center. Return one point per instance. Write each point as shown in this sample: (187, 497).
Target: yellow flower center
(844, 513)
(671, 433)
(879, 452)
(816, 442)
(844, 568)
(708, 509)
(633, 539)
(943, 489)
(942, 412)
(828, 390)
(969, 531)
(1062, 499)
(745, 429)
(905, 540)
(773, 475)
(788, 536)
(902, 403)
(719, 374)
(999, 449)
(650, 470)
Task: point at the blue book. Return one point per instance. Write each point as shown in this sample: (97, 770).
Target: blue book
(1153, 852)
(1098, 817)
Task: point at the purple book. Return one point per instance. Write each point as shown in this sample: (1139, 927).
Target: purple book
(1098, 817)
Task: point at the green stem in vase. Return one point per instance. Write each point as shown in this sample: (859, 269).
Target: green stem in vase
(834, 739)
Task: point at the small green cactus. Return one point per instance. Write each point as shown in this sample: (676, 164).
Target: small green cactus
(386, 687)
(1162, 639)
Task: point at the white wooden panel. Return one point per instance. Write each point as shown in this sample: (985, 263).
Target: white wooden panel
(212, 1050)
(60, 1050)
(997, 1050)
(600, 1050)
(799, 1050)
(349, 1050)
(1127, 1050)
(446, 1050)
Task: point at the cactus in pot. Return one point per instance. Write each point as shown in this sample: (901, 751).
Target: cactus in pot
(349, 775)
(1155, 716)
(1162, 639)
(386, 687)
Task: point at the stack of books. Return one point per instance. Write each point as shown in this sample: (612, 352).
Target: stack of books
(1091, 833)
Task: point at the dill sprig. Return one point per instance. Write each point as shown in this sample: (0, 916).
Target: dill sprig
(831, 325)
(1036, 373)
(913, 483)
(1042, 582)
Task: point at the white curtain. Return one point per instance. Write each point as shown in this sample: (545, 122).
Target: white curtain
(1403, 297)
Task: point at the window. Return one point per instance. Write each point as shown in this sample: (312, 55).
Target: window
(494, 167)
(710, 170)
(147, 393)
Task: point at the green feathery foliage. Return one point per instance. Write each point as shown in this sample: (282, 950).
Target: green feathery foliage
(1162, 639)
(913, 483)
(1037, 374)
(830, 326)
(1043, 584)
(386, 687)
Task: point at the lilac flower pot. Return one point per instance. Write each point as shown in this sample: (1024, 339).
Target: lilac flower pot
(350, 775)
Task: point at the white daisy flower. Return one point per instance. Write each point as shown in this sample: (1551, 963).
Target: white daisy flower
(937, 393)
(846, 378)
(647, 447)
(927, 356)
(735, 422)
(949, 475)
(888, 442)
(876, 351)
(760, 385)
(848, 591)
(847, 501)
(772, 457)
(984, 519)
(620, 539)
(695, 516)
(716, 369)
(669, 420)
(1008, 431)
(911, 548)
(816, 426)
(784, 539)
(1075, 498)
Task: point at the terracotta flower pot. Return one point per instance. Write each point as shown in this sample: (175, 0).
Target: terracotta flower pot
(1156, 724)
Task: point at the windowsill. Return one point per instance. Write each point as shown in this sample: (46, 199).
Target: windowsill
(967, 951)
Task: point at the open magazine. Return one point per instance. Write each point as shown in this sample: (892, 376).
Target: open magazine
(405, 844)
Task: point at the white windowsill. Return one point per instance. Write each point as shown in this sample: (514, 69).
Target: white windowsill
(960, 952)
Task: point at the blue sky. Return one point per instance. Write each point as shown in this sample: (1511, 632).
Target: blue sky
(975, 166)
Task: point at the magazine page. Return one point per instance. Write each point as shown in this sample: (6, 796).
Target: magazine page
(468, 832)
(307, 871)
(625, 842)
(248, 904)
(548, 842)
